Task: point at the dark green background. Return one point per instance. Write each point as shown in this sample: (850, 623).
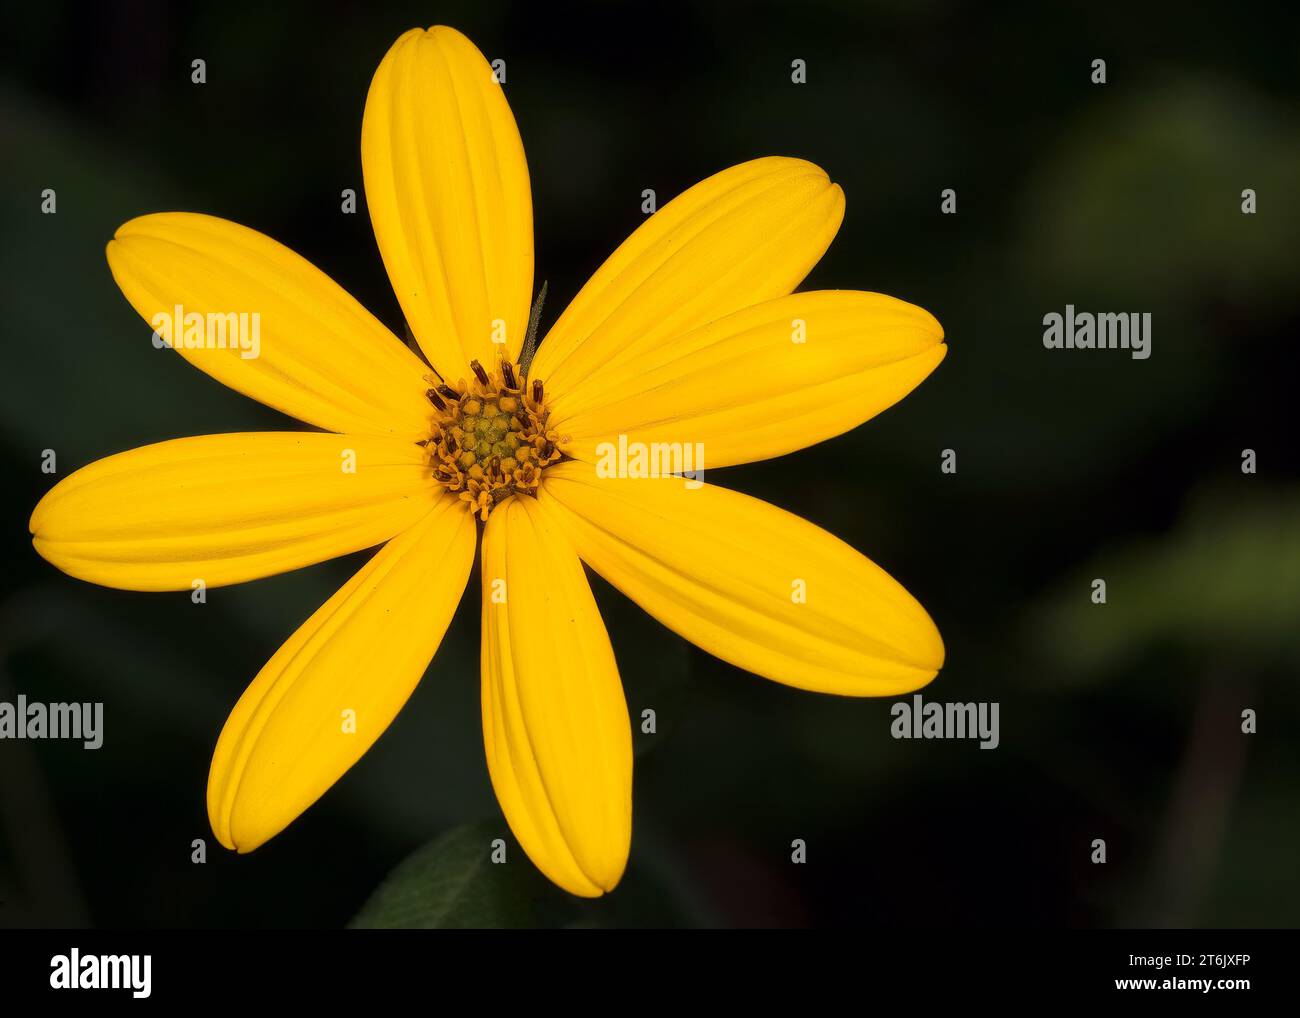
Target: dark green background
(1119, 722)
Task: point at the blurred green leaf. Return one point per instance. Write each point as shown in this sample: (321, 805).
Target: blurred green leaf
(1142, 198)
(1227, 580)
(452, 883)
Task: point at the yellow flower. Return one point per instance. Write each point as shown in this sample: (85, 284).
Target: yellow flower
(689, 333)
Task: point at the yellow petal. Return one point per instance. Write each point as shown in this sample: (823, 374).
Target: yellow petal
(316, 353)
(748, 582)
(229, 508)
(764, 381)
(555, 723)
(339, 681)
(447, 185)
(745, 235)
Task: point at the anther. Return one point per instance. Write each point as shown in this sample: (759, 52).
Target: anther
(490, 441)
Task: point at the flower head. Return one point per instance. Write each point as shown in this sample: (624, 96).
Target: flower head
(689, 337)
(489, 440)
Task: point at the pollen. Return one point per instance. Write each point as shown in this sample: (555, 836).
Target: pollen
(489, 440)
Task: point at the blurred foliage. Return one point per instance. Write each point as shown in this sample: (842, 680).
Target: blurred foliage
(452, 884)
(1155, 181)
(1224, 585)
(476, 876)
(1120, 197)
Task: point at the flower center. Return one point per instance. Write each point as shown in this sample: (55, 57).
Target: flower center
(489, 440)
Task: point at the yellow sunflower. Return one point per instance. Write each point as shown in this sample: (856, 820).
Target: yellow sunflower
(689, 336)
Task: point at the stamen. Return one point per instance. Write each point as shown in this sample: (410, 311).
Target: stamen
(490, 442)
